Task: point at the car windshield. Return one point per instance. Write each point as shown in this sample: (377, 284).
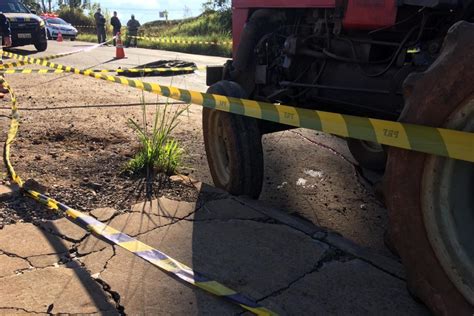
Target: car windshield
(56, 21)
(11, 6)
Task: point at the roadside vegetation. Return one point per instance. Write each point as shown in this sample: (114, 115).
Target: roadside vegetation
(158, 152)
(203, 49)
(214, 25)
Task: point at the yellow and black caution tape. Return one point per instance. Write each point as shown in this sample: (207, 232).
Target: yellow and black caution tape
(12, 131)
(169, 40)
(119, 71)
(30, 71)
(151, 70)
(115, 237)
(45, 71)
(13, 65)
(125, 70)
(179, 41)
(22, 63)
(51, 57)
(85, 26)
(430, 140)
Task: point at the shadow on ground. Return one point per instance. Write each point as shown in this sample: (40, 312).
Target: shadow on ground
(233, 241)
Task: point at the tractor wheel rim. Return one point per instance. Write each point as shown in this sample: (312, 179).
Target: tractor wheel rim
(219, 147)
(448, 208)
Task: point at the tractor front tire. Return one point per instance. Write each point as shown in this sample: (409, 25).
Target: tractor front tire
(430, 198)
(369, 155)
(233, 146)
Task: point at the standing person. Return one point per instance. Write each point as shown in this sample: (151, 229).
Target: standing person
(6, 40)
(100, 25)
(132, 31)
(116, 25)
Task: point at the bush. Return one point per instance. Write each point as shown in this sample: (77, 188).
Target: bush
(211, 23)
(75, 16)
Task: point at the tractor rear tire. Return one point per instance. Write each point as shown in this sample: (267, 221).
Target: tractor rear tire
(430, 198)
(233, 146)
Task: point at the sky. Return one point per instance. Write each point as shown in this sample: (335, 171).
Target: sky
(146, 11)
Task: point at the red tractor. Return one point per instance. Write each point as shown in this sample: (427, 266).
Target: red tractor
(406, 60)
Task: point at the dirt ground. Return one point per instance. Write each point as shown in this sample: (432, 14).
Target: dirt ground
(75, 141)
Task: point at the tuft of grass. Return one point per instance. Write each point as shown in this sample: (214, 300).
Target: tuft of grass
(158, 151)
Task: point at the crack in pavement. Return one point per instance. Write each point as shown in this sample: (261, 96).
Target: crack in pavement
(62, 262)
(114, 215)
(358, 170)
(97, 275)
(77, 254)
(175, 220)
(330, 255)
(362, 258)
(13, 255)
(115, 296)
(329, 148)
(266, 220)
(18, 271)
(61, 236)
(108, 260)
(322, 236)
(25, 310)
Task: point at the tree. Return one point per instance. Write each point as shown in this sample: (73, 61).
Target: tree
(86, 4)
(32, 5)
(74, 4)
(214, 5)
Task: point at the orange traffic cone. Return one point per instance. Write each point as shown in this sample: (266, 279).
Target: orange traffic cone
(119, 51)
(60, 37)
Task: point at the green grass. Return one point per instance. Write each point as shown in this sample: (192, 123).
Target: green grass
(85, 37)
(203, 49)
(207, 24)
(158, 152)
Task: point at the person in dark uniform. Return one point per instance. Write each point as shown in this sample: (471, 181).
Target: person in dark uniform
(6, 40)
(100, 25)
(116, 25)
(132, 32)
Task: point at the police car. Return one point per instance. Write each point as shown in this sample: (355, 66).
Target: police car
(27, 28)
(56, 25)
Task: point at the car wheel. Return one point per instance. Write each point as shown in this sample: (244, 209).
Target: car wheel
(41, 46)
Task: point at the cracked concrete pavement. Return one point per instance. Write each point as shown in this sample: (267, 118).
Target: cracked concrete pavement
(283, 262)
